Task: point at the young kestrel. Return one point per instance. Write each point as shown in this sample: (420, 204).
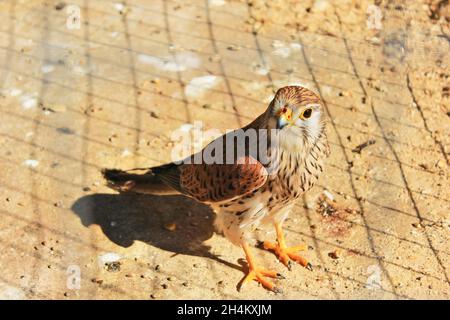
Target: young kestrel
(252, 188)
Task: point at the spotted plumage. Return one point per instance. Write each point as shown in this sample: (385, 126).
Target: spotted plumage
(256, 188)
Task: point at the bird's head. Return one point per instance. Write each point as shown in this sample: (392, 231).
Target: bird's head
(298, 115)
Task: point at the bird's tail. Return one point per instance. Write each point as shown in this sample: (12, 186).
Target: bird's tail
(147, 182)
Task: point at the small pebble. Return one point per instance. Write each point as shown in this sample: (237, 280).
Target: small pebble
(59, 6)
(334, 254)
(96, 280)
(170, 226)
(154, 115)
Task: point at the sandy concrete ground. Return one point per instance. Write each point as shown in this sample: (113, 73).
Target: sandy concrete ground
(111, 92)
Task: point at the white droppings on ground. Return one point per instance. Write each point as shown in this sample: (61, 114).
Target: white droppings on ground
(119, 6)
(125, 153)
(260, 69)
(199, 85)
(181, 61)
(11, 293)
(108, 257)
(216, 3)
(31, 163)
(28, 101)
(284, 49)
(186, 127)
(114, 34)
(13, 92)
(47, 68)
(321, 5)
(28, 135)
(328, 194)
(374, 277)
(296, 46)
(326, 90)
(79, 70)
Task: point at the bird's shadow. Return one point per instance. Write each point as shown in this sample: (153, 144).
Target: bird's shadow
(172, 223)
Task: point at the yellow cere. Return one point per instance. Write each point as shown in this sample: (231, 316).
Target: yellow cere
(286, 112)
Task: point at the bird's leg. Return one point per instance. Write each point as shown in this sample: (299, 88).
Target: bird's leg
(257, 274)
(286, 254)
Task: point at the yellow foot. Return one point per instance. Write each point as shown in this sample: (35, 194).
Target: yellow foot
(258, 275)
(286, 254)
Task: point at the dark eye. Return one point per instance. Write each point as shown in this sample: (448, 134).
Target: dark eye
(284, 110)
(306, 113)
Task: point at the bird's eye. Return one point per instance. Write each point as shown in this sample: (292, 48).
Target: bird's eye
(306, 113)
(283, 110)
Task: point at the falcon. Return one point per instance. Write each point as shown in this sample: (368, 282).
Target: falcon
(247, 188)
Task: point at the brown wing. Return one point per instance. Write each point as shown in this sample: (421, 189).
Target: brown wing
(220, 182)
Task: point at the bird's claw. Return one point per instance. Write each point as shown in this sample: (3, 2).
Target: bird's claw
(280, 276)
(287, 255)
(289, 265)
(258, 275)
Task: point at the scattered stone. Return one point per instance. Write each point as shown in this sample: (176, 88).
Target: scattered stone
(345, 93)
(97, 280)
(334, 254)
(418, 225)
(364, 145)
(59, 6)
(154, 115)
(170, 227)
(233, 48)
(55, 108)
(113, 266)
(65, 130)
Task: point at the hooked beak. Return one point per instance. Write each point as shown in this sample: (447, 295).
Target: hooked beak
(284, 121)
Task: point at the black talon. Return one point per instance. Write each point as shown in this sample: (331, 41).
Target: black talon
(277, 290)
(280, 276)
(289, 266)
(309, 267)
